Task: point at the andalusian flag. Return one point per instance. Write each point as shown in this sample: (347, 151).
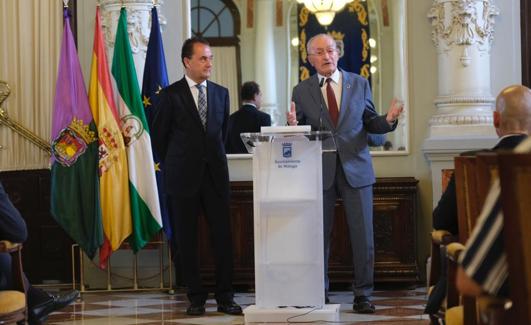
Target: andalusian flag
(114, 182)
(145, 208)
(75, 201)
(156, 78)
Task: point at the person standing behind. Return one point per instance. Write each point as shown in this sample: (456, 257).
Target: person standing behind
(247, 119)
(188, 131)
(341, 102)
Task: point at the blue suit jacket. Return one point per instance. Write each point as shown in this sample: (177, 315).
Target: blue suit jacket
(357, 117)
(185, 148)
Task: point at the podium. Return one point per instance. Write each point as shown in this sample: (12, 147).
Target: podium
(288, 225)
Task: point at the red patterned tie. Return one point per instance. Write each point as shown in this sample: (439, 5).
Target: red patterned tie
(332, 103)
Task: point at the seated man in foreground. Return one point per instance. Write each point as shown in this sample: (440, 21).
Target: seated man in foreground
(13, 228)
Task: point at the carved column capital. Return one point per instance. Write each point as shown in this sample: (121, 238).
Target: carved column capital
(463, 23)
(138, 21)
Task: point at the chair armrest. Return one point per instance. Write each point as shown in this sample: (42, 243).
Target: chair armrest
(442, 237)
(8, 247)
(453, 250)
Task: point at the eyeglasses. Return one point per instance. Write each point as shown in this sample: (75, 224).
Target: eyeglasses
(322, 52)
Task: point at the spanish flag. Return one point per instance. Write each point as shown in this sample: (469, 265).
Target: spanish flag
(113, 168)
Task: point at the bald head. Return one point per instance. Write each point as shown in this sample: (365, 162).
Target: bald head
(513, 111)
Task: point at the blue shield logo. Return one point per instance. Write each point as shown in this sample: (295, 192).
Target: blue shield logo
(287, 150)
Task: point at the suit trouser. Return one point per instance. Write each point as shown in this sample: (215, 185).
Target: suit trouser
(185, 214)
(358, 212)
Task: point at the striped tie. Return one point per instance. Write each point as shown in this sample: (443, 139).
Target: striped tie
(202, 104)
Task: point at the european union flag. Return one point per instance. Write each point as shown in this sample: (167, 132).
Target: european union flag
(156, 78)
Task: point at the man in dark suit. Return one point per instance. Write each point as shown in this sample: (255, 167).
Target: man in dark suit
(13, 228)
(511, 122)
(341, 102)
(247, 119)
(483, 266)
(188, 132)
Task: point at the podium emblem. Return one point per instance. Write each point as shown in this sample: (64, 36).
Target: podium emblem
(287, 150)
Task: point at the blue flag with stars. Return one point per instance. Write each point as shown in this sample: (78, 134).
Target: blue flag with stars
(155, 78)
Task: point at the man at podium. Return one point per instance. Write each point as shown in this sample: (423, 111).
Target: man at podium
(341, 102)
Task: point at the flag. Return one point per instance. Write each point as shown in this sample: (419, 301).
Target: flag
(113, 173)
(74, 199)
(145, 208)
(156, 78)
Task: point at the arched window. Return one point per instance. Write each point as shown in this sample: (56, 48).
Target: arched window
(218, 21)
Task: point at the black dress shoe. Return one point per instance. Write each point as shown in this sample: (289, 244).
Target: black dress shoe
(60, 302)
(196, 309)
(229, 307)
(363, 305)
(39, 313)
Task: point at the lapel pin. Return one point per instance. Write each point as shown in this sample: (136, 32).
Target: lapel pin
(348, 86)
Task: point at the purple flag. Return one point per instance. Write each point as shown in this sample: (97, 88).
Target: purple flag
(74, 176)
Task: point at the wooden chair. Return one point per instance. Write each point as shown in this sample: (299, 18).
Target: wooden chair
(13, 307)
(462, 309)
(486, 173)
(515, 181)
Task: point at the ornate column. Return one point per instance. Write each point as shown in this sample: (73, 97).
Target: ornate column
(138, 26)
(462, 33)
(265, 58)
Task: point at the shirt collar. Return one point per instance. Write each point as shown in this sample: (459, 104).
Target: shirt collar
(192, 83)
(335, 76)
(248, 103)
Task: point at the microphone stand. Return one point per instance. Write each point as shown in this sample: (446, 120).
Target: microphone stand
(321, 104)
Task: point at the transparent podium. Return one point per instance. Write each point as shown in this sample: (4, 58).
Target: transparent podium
(288, 225)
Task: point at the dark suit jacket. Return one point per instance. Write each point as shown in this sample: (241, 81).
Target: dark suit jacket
(357, 117)
(445, 213)
(186, 149)
(12, 225)
(12, 228)
(247, 119)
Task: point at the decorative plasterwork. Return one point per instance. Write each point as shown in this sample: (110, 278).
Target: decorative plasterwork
(461, 120)
(463, 23)
(445, 100)
(138, 21)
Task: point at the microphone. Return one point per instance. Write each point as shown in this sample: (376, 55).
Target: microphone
(321, 104)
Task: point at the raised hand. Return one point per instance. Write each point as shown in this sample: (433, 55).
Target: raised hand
(396, 108)
(291, 115)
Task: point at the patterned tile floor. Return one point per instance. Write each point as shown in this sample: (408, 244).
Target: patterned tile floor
(392, 307)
